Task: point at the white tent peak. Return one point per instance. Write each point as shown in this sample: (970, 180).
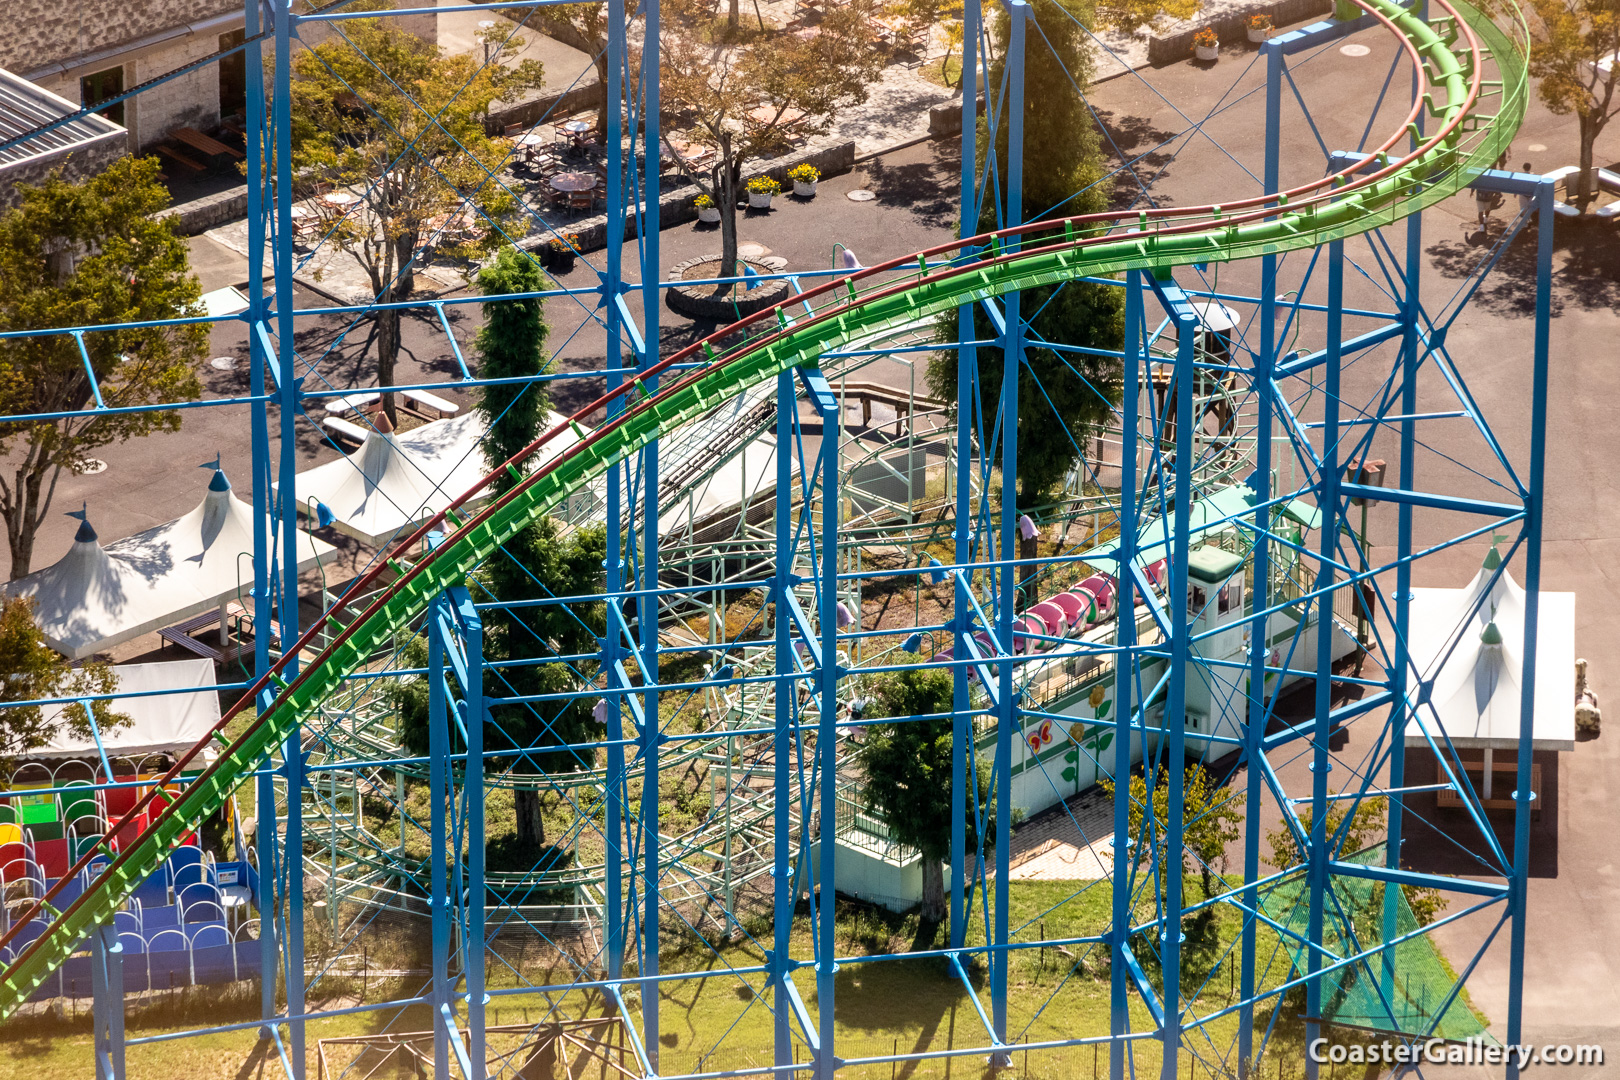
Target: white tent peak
(96, 597)
(86, 530)
(1468, 644)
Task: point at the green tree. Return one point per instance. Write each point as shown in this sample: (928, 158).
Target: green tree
(538, 562)
(714, 85)
(908, 772)
(391, 118)
(1569, 38)
(512, 345)
(1063, 398)
(31, 670)
(1210, 820)
(85, 253)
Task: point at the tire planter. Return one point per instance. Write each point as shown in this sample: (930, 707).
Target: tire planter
(759, 200)
(699, 302)
(1207, 52)
(804, 190)
(709, 215)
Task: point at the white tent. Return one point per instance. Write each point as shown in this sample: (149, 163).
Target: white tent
(1475, 688)
(162, 723)
(97, 597)
(396, 481)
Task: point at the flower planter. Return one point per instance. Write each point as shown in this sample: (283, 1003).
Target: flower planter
(1259, 36)
(759, 200)
(709, 215)
(804, 190)
(1207, 52)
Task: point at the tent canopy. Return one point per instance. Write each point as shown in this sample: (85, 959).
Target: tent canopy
(96, 597)
(396, 481)
(161, 723)
(1468, 660)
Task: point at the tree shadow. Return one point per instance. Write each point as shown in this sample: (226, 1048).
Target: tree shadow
(1587, 277)
(928, 189)
(1140, 151)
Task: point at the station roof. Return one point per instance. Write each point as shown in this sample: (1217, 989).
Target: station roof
(1212, 513)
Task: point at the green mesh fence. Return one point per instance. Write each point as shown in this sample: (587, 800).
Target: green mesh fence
(1360, 994)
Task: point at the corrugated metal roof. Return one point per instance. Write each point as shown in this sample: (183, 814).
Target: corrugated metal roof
(25, 107)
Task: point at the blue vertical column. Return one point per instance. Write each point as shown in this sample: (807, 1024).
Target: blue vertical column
(1135, 367)
(438, 864)
(613, 567)
(259, 425)
(1411, 310)
(647, 602)
(107, 1008)
(1328, 503)
(472, 938)
(1254, 728)
(1011, 366)
(963, 768)
(287, 521)
(1174, 729)
(827, 741)
(782, 739)
(1519, 885)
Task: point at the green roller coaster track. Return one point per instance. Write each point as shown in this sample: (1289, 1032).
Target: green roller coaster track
(1450, 50)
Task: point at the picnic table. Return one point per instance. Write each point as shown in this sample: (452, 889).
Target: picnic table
(766, 114)
(343, 201)
(198, 141)
(573, 181)
(575, 131)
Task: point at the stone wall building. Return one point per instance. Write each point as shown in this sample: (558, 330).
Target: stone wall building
(92, 50)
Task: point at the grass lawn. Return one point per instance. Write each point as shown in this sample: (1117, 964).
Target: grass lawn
(722, 1021)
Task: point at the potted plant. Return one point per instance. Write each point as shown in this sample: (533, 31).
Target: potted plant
(559, 251)
(804, 179)
(761, 189)
(1206, 46)
(1259, 28)
(708, 213)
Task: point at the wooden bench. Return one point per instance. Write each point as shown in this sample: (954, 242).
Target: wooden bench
(440, 407)
(180, 159)
(183, 633)
(344, 430)
(1504, 776)
(357, 402)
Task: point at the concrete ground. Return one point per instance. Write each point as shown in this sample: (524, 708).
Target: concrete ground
(1571, 965)
(565, 67)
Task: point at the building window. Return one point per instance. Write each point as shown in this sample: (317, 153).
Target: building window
(94, 89)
